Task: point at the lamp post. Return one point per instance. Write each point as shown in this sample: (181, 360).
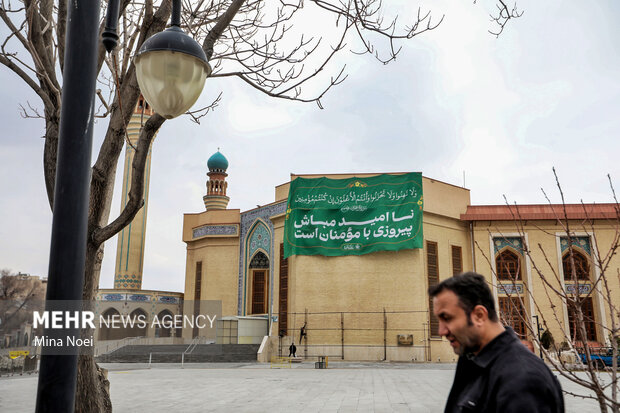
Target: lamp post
(58, 372)
(538, 329)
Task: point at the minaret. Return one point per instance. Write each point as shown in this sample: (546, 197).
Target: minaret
(130, 245)
(216, 185)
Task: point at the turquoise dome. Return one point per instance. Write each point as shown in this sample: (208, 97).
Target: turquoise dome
(217, 161)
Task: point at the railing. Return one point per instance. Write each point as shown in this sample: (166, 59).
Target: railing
(189, 350)
(192, 345)
(339, 334)
(116, 345)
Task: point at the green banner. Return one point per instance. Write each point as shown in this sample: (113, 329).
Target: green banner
(353, 216)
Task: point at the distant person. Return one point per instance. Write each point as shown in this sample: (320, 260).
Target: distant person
(302, 332)
(292, 350)
(495, 372)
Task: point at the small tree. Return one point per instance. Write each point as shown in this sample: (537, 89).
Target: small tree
(601, 381)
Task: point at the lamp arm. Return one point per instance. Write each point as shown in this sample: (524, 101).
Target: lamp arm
(175, 20)
(109, 37)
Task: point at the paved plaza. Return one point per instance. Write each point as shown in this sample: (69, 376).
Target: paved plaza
(252, 387)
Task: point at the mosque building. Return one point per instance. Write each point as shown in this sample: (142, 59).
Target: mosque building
(364, 297)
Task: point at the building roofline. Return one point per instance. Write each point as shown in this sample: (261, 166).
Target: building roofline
(263, 206)
(370, 174)
(541, 212)
(198, 213)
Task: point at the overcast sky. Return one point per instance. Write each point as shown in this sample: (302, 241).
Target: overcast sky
(457, 102)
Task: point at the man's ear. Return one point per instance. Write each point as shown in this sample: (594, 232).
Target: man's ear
(479, 315)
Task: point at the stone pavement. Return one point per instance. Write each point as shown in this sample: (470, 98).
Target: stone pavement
(253, 387)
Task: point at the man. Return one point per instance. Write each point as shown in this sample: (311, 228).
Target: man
(302, 333)
(495, 372)
(292, 350)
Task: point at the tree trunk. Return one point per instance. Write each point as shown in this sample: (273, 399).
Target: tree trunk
(93, 388)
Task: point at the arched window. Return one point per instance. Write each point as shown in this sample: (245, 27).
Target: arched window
(259, 267)
(582, 268)
(109, 329)
(259, 260)
(166, 321)
(508, 266)
(140, 323)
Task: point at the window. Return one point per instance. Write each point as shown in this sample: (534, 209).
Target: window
(259, 268)
(107, 330)
(432, 268)
(140, 323)
(197, 292)
(198, 281)
(457, 260)
(582, 269)
(512, 314)
(259, 286)
(588, 318)
(507, 266)
(283, 294)
(166, 318)
(259, 260)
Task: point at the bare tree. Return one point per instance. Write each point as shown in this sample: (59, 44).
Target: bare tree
(20, 295)
(572, 287)
(283, 49)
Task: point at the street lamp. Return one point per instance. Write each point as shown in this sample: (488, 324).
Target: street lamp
(171, 93)
(171, 69)
(538, 330)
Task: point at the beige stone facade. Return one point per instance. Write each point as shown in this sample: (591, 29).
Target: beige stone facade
(376, 306)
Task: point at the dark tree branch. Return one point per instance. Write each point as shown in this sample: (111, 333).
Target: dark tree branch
(136, 193)
(503, 16)
(222, 23)
(198, 114)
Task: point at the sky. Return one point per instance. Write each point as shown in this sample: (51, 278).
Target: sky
(459, 105)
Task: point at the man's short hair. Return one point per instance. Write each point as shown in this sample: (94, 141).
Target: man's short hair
(471, 288)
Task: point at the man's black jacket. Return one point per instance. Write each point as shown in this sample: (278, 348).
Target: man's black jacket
(504, 377)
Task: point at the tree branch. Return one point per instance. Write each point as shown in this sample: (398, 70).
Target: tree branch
(222, 23)
(136, 193)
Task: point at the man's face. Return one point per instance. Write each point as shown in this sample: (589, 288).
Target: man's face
(454, 323)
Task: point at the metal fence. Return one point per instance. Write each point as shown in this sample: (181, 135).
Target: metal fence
(357, 335)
